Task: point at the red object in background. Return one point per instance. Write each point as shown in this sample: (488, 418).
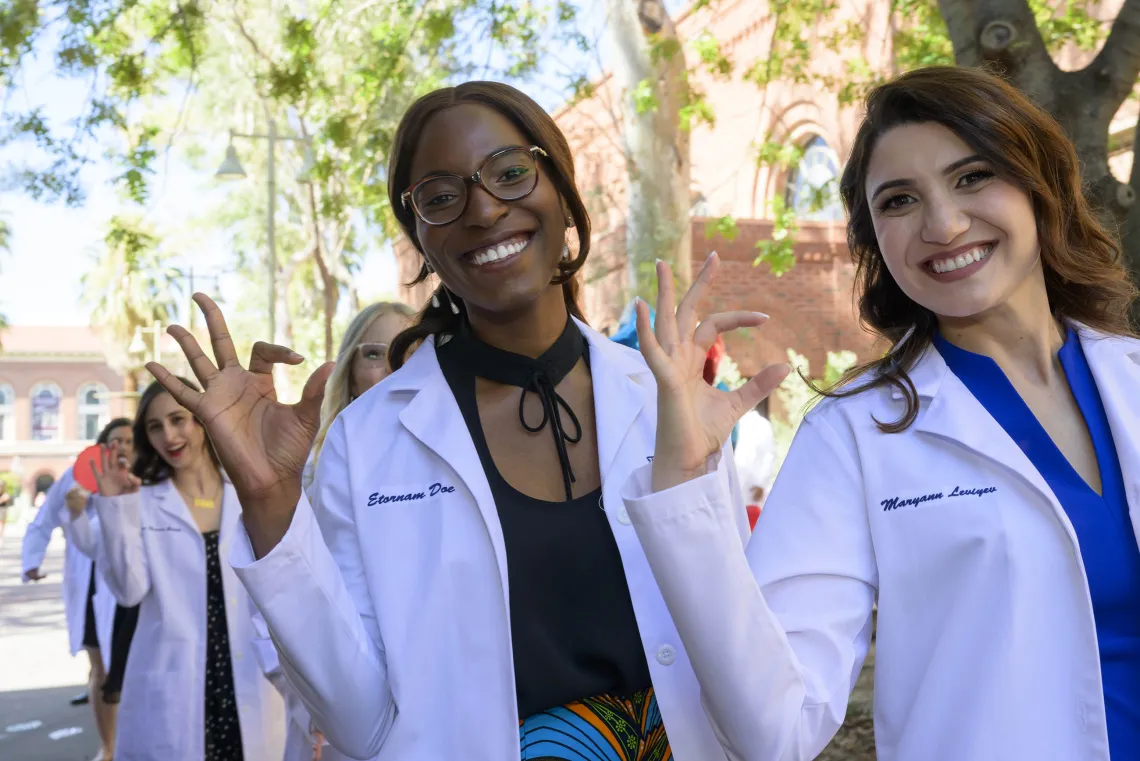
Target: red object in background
(753, 516)
(82, 468)
(712, 360)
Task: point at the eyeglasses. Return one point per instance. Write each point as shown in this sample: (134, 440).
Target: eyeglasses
(373, 354)
(508, 175)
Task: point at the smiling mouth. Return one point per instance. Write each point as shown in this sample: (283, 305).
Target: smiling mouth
(500, 251)
(965, 259)
(176, 452)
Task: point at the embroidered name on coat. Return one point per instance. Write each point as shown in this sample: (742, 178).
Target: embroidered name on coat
(376, 498)
(894, 503)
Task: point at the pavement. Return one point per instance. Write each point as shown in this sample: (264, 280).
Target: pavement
(37, 673)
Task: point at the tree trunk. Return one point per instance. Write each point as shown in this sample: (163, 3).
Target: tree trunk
(648, 67)
(1004, 33)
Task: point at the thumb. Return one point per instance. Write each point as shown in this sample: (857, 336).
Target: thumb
(308, 407)
(759, 387)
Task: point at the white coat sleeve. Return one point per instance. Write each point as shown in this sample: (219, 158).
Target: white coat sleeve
(315, 600)
(266, 653)
(121, 556)
(37, 536)
(83, 531)
(776, 633)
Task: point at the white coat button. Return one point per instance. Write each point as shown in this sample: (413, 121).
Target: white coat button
(666, 655)
(623, 516)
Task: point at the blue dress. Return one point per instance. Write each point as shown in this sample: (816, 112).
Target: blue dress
(1104, 531)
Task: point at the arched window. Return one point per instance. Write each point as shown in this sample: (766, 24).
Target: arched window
(813, 186)
(45, 399)
(7, 413)
(92, 410)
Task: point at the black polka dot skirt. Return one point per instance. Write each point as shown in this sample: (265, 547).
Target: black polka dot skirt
(223, 730)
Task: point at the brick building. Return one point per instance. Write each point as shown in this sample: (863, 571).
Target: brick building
(56, 393)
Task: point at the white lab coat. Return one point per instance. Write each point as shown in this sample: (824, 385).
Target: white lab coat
(299, 739)
(986, 647)
(77, 560)
(396, 633)
(154, 556)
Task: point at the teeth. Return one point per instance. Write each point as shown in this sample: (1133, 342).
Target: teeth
(500, 251)
(961, 260)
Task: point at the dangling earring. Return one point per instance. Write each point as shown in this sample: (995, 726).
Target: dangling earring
(906, 337)
(565, 252)
(434, 300)
(450, 303)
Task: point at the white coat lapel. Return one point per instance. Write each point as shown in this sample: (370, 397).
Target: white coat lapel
(433, 417)
(950, 411)
(169, 501)
(1115, 365)
(618, 397)
(231, 513)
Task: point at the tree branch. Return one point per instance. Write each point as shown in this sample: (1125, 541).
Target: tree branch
(1118, 62)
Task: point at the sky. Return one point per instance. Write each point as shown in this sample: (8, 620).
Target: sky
(52, 245)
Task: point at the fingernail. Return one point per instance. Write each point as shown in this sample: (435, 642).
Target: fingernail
(295, 355)
(711, 255)
(761, 315)
(658, 260)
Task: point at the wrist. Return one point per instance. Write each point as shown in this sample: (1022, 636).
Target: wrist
(667, 477)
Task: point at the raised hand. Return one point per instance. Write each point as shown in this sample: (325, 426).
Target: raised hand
(693, 418)
(262, 443)
(113, 476)
(76, 500)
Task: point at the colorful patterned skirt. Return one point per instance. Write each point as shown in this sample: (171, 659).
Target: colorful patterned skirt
(597, 729)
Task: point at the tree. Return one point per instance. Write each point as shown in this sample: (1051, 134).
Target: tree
(1010, 35)
(127, 288)
(648, 66)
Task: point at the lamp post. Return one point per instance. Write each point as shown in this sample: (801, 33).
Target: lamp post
(138, 345)
(231, 169)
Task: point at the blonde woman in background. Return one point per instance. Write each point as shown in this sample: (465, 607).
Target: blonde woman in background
(361, 363)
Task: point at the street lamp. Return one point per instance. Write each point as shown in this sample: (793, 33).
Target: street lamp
(138, 344)
(231, 169)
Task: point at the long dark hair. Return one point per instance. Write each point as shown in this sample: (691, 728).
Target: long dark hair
(105, 434)
(149, 465)
(538, 128)
(1085, 278)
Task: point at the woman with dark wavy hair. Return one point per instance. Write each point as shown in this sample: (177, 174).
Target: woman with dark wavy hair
(980, 482)
(193, 686)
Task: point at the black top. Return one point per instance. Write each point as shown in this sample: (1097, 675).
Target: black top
(572, 622)
(223, 729)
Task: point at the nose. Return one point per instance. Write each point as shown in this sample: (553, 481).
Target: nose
(943, 221)
(483, 209)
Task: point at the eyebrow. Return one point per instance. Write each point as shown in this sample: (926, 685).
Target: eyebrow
(950, 169)
(442, 173)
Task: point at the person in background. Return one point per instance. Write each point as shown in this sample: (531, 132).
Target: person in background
(5, 503)
(978, 482)
(100, 608)
(193, 688)
(88, 605)
(755, 458)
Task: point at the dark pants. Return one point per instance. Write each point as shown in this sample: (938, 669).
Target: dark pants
(126, 619)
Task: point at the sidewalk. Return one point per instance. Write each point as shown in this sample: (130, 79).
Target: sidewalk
(37, 674)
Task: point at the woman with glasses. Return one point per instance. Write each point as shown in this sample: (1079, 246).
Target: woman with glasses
(482, 594)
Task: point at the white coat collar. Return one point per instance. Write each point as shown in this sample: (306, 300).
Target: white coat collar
(948, 410)
(620, 379)
(168, 500)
